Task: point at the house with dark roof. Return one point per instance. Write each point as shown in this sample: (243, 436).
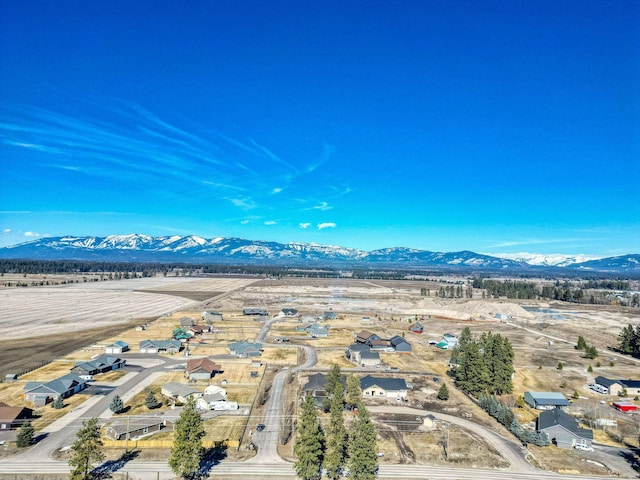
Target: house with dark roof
(376, 387)
(260, 312)
(400, 344)
(354, 351)
(245, 349)
(199, 329)
(329, 315)
(289, 312)
(316, 387)
(562, 429)
(102, 364)
(13, 417)
(416, 328)
(116, 348)
(201, 369)
(160, 346)
(40, 393)
(136, 427)
(616, 387)
(545, 400)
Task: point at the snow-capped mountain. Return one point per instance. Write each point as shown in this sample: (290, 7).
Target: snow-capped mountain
(551, 260)
(195, 249)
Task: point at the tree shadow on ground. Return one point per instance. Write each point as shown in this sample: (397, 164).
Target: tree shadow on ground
(105, 470)
(211, 457)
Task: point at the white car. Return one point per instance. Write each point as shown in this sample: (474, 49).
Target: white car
(584, 448)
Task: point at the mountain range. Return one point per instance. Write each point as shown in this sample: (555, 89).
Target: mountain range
(195, 249)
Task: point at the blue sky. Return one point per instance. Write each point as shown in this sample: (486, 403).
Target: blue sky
(491, 126)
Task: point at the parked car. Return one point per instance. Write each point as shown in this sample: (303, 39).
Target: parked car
(582, 447)
(260, 427)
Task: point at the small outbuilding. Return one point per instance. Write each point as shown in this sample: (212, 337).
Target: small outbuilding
(545, 400)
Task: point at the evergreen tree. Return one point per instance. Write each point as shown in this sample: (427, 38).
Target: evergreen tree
(86, 450)
(443, 393)
(582, 344)
(24, 437)
(472, 375)
(591, 352)
(334, 377)
(310, 443)
(334, 459)
(151, 401)
(187, 451)
(354, 392)
(362, 448)
(58, 403)
(116, 405)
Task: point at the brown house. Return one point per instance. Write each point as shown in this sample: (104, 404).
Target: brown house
(201, 369)
(13, 417)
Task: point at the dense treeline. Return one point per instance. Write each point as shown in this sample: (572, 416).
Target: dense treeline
(505, 416)
(484, 365)
(629, 340)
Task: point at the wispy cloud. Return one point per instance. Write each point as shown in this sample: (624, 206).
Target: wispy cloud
(324, 225)
(270, 222)
(31, 234)
(7, 231)
(245, 203)
(517, 243)
(245, 222)
(323, 206)
(305, 225)
(276, 190)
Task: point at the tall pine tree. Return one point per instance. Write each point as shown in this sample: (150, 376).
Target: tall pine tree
(334, 377)
(86, 450)
(310, 443)
(362, 449)
(186, 453)
(24, 437)
(354, 391)
(334, 459)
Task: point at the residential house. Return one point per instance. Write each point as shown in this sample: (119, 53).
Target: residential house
(400, 344)
(245, 349)
(181, 334)
(201, 369)
(381, 345)
(289, 312)
(261, 312)
(562, 429)
(315, 330)
(40, 393)
(353, 352)
(215, 390)
(102, 364)
(180, 392)
(616, 387)
(116, 348)
(187, 322)
(366, 337)
(13, 417)
(416, 328)
(369, 359)
(545, 400)
(210, 317)
(160, 346)
(448, 342)
(376, 387)
(136, 427)
(199, 329)
(329, 315)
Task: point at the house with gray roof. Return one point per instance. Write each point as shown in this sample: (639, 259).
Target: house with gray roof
(615, 387)
(316, 387)
(369, 359)
(376, 387)
(40, 393)
(102, 364)
(289, 312)
(245, 349)
(545, 400)
(180, 392)
(136, 427)
(315, 330)
(366, 337)
(562, 429)
(416, 328)
(116, 348)
(400, 344)
(448, 342)
(353, 351)
(160, 346)
(329, 315)
(260, 312)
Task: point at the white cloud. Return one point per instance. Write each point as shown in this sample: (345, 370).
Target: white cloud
(305, 225)
(243, 203)
(244, 222)
(270, 222)
(7, 231)
(323, 206)
(31, 234)
(276, 190)
(326, 225)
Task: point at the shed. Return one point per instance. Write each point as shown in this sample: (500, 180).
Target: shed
(116, 348)
(545, 400)
(625, 406)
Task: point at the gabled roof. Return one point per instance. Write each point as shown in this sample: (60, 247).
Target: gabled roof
(10, 414)
(133, 424)
(202, 364)
(316, 328)
(549, 398)
(365, 335)
(416, 326)
(161, 344)
(119, 343)
(557, 416)
(397, 339)
(358, 347)
(379, 343)
(179, 389)
(244, 345)
(369, 355)
(317, 380)
(605, 381)
(59, 385)
(388, 384)
(630, 383)
(98, 363)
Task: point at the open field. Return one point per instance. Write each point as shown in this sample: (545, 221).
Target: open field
(540, 339)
